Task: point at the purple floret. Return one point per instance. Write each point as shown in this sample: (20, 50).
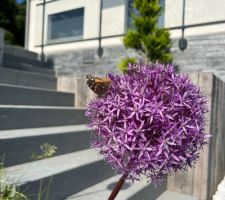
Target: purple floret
(151, 121)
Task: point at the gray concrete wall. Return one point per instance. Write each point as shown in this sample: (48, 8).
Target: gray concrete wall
(202, 181)
(81, 62)
(72, 67)
(195, 181)
(78, 86)
(204, 53)
(217, 129)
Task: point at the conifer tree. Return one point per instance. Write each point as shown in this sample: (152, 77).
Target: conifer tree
(152, 42)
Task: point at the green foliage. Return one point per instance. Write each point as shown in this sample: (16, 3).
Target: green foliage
(2, 166)
(43, 192)
(8, 191)
(12, 19)
(11, 192)
(146, 37)
(47, 150)
(124, 63)
(9, 38)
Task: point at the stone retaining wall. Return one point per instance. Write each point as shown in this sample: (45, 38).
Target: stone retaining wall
(202, 181)
(204, 53)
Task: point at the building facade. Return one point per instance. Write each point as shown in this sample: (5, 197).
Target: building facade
(68, 32)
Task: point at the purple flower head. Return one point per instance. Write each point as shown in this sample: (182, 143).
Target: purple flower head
(151, 121)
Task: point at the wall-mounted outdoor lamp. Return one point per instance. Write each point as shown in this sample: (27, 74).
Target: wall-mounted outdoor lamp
(182, 41)
(182, 44)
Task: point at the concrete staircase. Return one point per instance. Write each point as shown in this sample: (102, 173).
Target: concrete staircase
(21, 67)
(32, 112)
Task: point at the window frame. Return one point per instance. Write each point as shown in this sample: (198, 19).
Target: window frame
(64, 39)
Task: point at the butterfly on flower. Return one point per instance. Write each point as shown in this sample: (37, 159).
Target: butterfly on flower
(98, 85)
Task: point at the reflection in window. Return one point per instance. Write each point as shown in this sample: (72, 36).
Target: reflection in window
(161, 17)
(66, 25)
(132, 10)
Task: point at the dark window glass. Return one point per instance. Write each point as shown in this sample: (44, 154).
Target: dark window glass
(65, 25)
(161, 17)
(132, 10)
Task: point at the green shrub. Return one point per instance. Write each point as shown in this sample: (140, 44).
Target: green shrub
(124, 63)
(150, 41)
(11, 192)
(9, 38)
(8, 191)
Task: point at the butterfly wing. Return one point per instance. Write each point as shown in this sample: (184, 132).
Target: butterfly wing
(98, 85)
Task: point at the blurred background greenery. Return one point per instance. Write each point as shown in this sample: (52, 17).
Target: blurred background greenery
(12, 19)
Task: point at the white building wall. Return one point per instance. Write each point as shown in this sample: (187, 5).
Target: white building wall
(113, 17)
(114, 20)
(196, 11)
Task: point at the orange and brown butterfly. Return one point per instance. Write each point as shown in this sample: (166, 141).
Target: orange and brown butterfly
(98, 85)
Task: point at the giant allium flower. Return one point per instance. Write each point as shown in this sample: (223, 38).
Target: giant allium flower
(151, 121)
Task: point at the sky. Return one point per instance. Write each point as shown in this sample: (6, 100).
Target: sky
(19, 1)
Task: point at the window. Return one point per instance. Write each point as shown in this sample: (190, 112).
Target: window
(161, 17)
(66, 25)
(132, 10)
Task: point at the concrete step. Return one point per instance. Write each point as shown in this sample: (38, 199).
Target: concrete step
(71, 173)
(141, 190)
(170, 195)
(19, 145)
(25, 78)
(13, 64)
(26, 60)
(20, 52)
(19, 117)
(20, 95)
(149, 192)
